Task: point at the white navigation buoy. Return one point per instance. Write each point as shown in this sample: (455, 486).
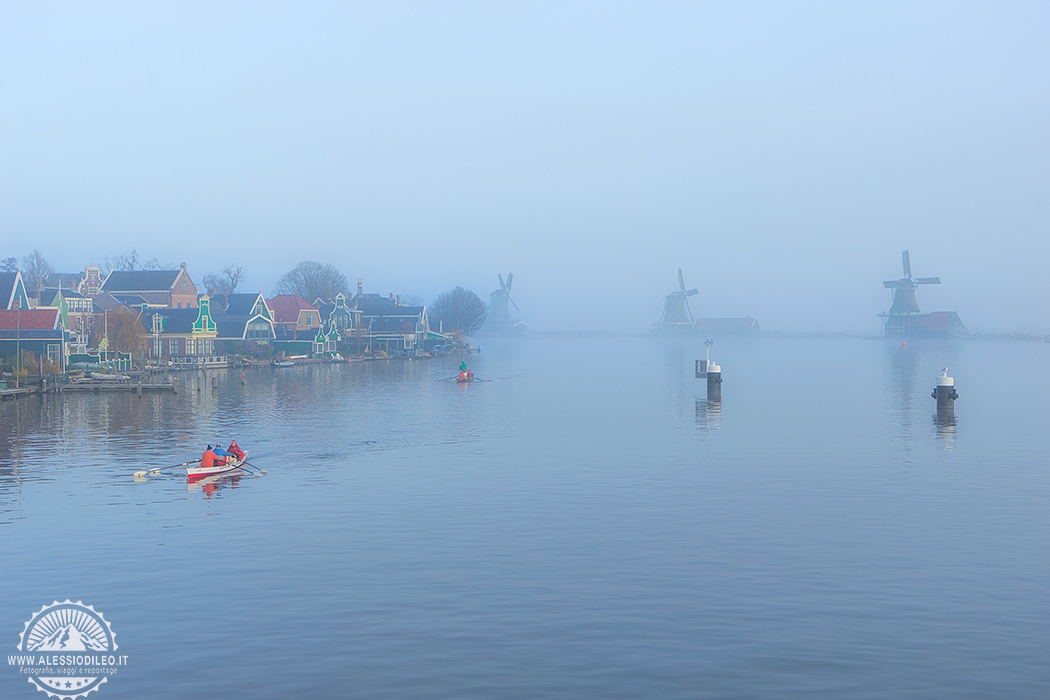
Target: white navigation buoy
(945, 392)
(710, 371)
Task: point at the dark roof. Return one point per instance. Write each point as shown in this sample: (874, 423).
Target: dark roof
(64, 280)
(238, 304)
(129, 299)
(47, 296)
(66, 292)
(386, 324)
(325, 308)
(393, 311)
(7, 283)
(104, 302)
(140, 280)
(372, 301)
(230, 327)
(180, 321)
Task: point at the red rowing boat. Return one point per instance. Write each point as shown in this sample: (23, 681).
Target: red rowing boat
(199, 472)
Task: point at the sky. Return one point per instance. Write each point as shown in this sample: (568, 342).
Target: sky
(782, 154)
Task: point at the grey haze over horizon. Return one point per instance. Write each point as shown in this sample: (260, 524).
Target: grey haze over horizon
(782, 154)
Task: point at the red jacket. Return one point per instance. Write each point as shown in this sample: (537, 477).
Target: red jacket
(208, 459)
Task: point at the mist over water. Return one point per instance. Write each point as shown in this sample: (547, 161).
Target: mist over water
(584, 524)
(784, 156)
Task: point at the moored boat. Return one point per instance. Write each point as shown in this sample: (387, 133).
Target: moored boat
(107, 376)
(199, 472)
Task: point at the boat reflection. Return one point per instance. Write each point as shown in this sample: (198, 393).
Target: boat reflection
(210, 486)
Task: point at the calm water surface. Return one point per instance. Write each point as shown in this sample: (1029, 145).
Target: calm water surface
(584, 525)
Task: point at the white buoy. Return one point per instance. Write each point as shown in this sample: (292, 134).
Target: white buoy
(945, 392)
(714, 382)
(711, 372)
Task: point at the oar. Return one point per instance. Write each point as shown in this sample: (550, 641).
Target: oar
(246, 462)
(157, 471)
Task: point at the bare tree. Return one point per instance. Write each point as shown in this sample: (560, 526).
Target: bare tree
(9, 265)
(411, 300)
(225, 281)
(35, 267)
(311, 280)
(125, 262)
(459, 310)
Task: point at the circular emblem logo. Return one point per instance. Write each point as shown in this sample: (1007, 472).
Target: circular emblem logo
(68, 650)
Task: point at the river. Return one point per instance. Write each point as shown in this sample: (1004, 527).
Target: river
(581, 524)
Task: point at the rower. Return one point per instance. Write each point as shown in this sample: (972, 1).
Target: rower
(208, 459)
(221, 454)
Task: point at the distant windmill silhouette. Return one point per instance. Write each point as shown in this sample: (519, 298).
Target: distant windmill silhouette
(676, 306)
(499, 312)
(904, 289)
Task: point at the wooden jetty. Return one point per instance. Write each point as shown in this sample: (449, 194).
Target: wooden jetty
(112, 386)
(17, 393)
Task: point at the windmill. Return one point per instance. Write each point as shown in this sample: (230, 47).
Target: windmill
(499, 318)
(904, 289)
(676, 315)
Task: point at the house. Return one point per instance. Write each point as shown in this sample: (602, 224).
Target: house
(336, 314)
(243, 317)
(87, 282)
(386, 325)
(77, 311)
(183, 335)
(312, 342)
(13, 291)
(38, 330)
(936, 324)
(292, 314)
(172, 289)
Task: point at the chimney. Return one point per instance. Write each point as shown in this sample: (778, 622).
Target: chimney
(360, 286)
(183, 265)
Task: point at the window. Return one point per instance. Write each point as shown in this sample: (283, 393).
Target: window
(54, 352)
(157, 347)
(173, 346)
(184, 285)
(258, 330)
